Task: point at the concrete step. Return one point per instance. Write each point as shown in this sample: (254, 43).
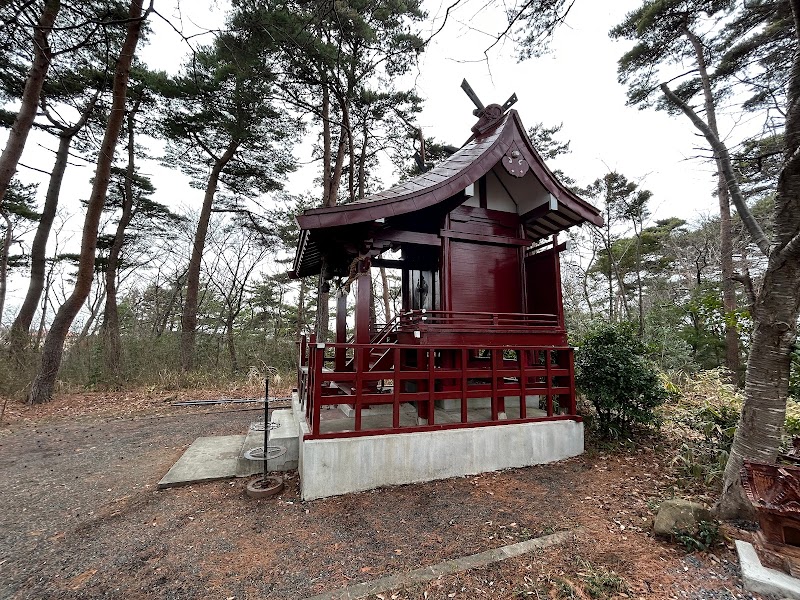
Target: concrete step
(207, 459)
(287, 435)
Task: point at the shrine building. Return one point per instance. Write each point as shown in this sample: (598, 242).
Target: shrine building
(473, 373)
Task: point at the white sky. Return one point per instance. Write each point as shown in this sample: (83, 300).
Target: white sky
(575, 84)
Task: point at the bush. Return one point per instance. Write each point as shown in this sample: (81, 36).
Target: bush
(706, 537)
(794, 375)
(614, 375)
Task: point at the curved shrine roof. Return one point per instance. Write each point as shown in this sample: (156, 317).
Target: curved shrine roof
(479, 155)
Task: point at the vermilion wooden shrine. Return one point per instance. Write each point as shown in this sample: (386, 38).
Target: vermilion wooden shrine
(480, 339)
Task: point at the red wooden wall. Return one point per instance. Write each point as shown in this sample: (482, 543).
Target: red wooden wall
(485, 278)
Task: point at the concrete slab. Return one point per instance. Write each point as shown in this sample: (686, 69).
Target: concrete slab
(208, 458)
(287, 435)
(762, 580)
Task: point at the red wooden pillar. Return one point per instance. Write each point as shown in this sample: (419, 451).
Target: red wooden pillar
(557, 270)
(363, 301)
(340, 354)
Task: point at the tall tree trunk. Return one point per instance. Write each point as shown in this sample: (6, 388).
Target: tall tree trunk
(760, 428)
(53, 349)
(725, 230)
(48, 282)
(94, 310)
(362, 162)
(326, 144)
(112, 342)
(775, 313)
(8, 238)
(42, 54)
(639, 277)
(330, 198)
(230, 343)
(22, 323)
(189, 316)
(161, 325)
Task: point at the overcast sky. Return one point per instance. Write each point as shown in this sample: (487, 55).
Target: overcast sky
(575, 84)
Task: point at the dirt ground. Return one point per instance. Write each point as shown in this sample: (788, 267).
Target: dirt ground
(82, 518)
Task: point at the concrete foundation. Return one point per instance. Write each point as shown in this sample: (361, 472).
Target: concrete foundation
(340, 466)
(762, 580)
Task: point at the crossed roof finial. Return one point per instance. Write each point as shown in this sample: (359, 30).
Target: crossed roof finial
(488, 116)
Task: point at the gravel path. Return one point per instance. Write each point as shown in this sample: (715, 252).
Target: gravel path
(62, 479)
(82, 518)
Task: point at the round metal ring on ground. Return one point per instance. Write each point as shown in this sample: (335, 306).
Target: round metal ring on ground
(265, 487)
(257, 453)
(259, 426)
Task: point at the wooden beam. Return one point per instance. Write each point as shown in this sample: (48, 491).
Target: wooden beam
(388, 263)
(489, 239)
(540, 211)
(408, 237)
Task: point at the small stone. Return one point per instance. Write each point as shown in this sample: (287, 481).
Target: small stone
(681, 515)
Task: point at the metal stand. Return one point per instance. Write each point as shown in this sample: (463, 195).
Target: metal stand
(267, 485)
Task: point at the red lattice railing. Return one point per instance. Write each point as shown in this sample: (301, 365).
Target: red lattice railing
(396, 375)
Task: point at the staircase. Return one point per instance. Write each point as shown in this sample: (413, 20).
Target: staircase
(380, 358)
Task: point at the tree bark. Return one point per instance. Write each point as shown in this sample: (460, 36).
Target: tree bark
(112, 342)
(330, 198)
(231, 345)
(758, 435)
(48, 282)
(160, 325)
(53, 349)
(22, 323)
(8, 238)
(775, 313)
(725, 230)
(42, 55)
(189, 316)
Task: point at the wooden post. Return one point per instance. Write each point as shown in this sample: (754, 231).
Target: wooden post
(522, 356)
(557, 282)
(495, 410)
(319, 361)
(464, 400)
(358, 385)
(396, 389)
(549, 389)
(363, 301)
(340, 353)
(573, 408)
(431, 383)
(309, 400)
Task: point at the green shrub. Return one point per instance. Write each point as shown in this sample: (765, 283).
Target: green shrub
(623, 386)
(792, 425)
(794, 376)
(702, 540)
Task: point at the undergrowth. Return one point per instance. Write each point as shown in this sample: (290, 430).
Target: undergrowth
(706, 537)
